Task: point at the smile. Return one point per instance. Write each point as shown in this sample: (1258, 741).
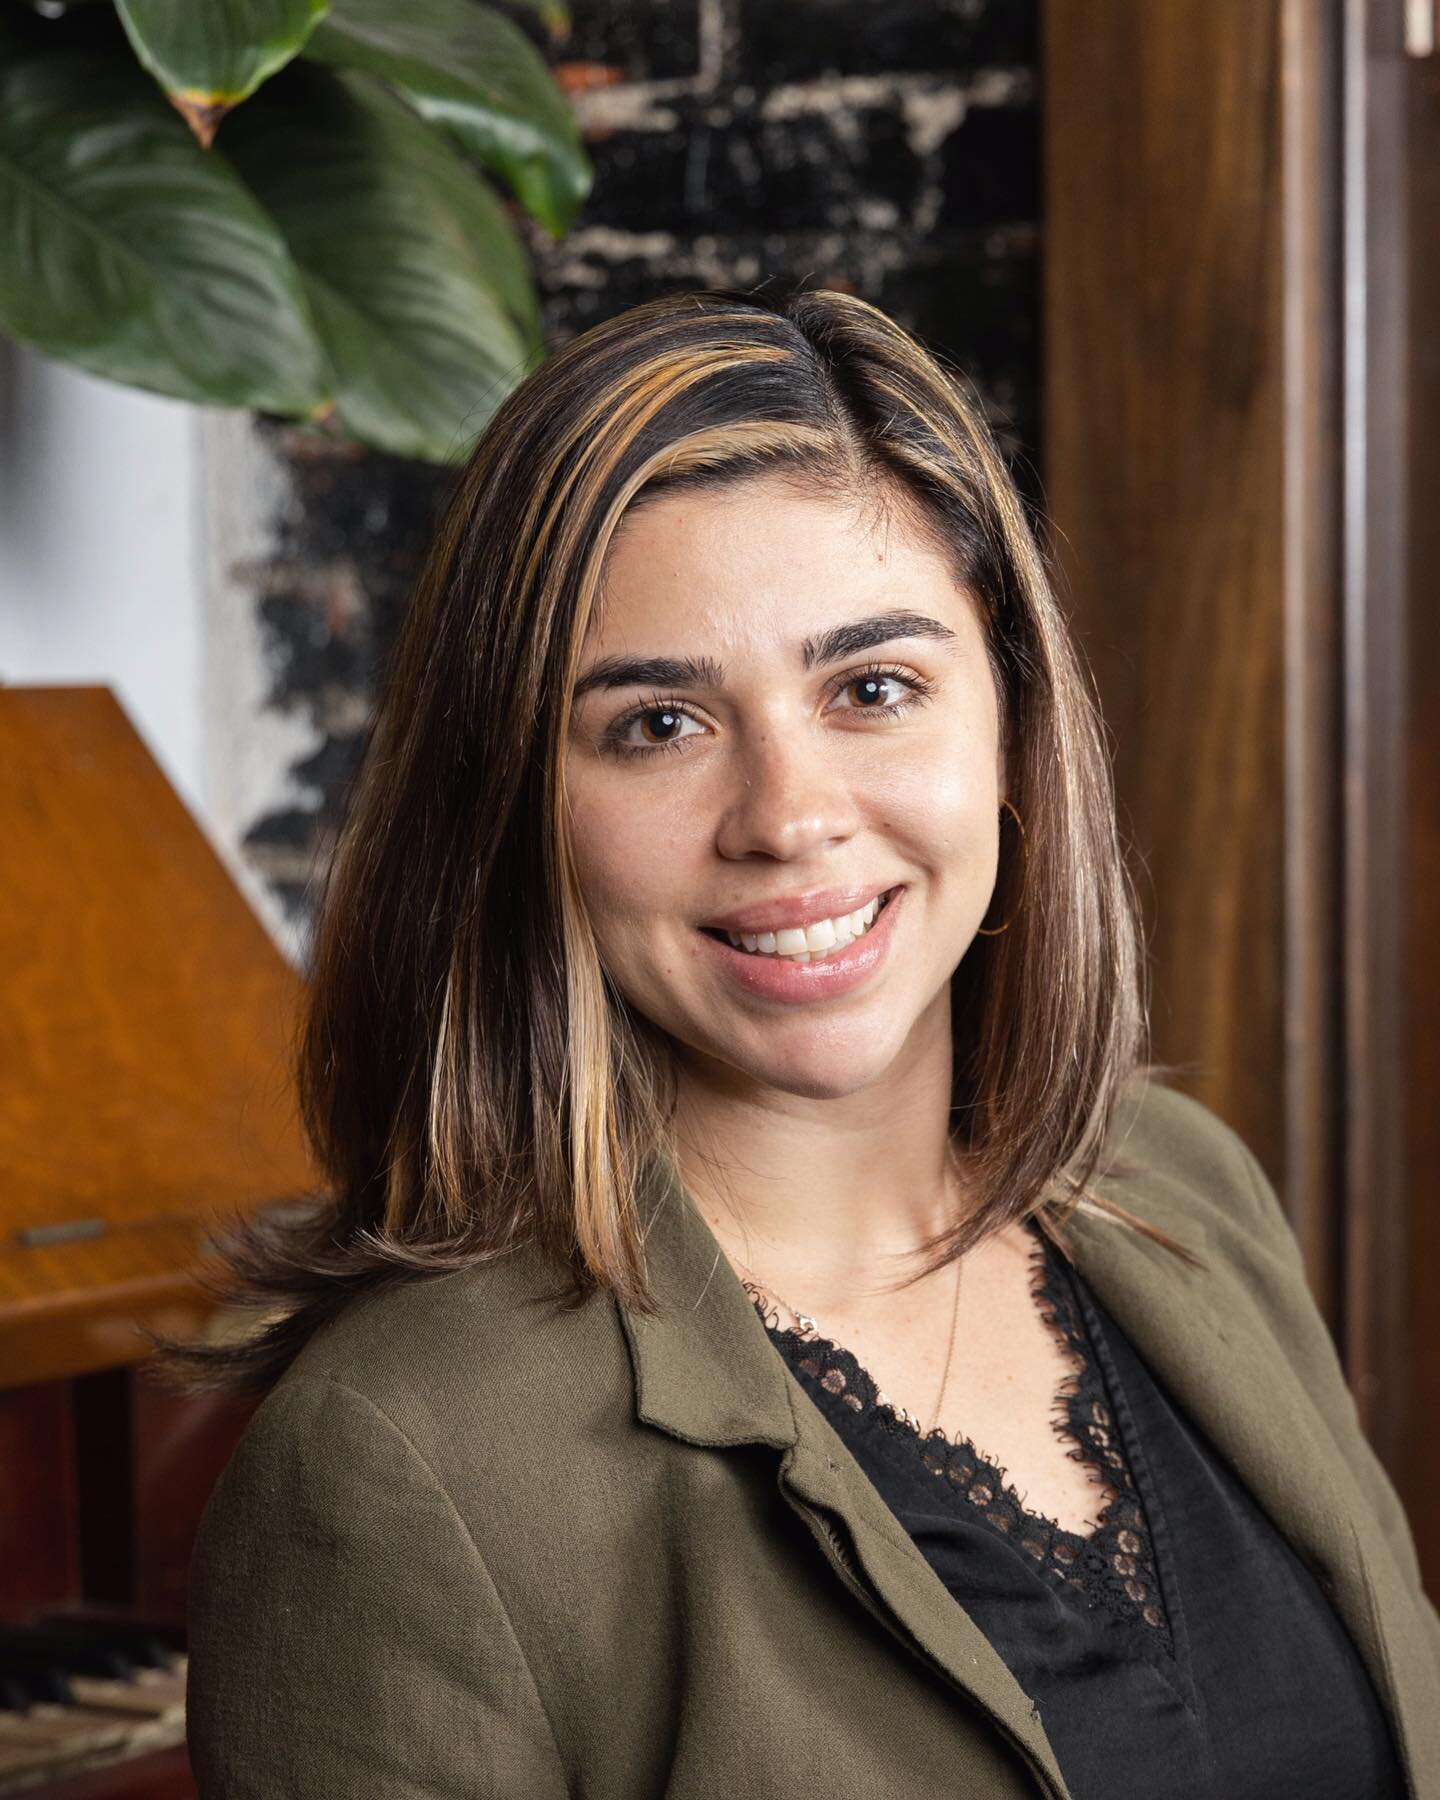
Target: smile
(809, 943)
(801, 976)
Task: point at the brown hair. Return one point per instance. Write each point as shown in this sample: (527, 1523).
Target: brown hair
(468, 1079)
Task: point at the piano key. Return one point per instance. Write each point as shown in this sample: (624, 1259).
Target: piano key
(65, 1725)
(151, 1694)
(109, 1624)
(39, 1680)
(71, 1653)
(149, 1646)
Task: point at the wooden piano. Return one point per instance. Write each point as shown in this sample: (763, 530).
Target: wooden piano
(145, 1019)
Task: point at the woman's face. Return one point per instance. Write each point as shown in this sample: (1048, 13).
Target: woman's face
(832, 736)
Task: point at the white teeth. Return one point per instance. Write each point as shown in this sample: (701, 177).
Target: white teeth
(811, 941)
(820, 936)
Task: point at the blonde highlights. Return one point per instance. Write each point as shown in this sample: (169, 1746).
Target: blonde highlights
(468, 1077)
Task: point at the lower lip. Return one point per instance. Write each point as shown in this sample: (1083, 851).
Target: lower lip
(778, 978)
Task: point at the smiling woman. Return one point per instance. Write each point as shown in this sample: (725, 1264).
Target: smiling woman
(806, 779)
(736, 603)
(734, 702)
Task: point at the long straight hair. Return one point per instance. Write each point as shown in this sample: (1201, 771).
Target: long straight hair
(469, 1080)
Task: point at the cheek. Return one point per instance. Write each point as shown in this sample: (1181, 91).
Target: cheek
(625, 852)
(602, 858)
(939, 803)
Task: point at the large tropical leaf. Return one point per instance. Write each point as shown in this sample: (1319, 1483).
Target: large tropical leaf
(475, 74)
(208, 55)
(127, 249)
(415, 275)
(554, 15)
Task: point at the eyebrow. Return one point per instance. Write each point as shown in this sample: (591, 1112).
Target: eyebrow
(815, 652)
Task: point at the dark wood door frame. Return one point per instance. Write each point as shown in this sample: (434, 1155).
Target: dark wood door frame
(1231, 440)
(1374, 344)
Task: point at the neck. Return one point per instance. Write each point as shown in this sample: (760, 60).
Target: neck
(828, 1210)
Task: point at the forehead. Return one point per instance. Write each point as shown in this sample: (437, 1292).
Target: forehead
(762, 558)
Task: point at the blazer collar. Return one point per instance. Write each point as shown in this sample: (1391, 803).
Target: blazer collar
(706, 1372)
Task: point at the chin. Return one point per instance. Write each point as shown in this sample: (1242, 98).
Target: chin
(818, 1088)
(818, 1076)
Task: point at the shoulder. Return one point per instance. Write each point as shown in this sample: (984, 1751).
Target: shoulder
(1168, 1154)
(1173, 1163)
(483, 1364)
(1164, 1127)
(1179, 1167)
(340, 1603)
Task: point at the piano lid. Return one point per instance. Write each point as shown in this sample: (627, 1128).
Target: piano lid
(145, 1020)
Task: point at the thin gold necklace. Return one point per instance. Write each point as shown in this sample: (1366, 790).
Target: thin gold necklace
(808, 1324)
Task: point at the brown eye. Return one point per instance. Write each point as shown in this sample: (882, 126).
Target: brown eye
(870, 688)
(669, 722)
(659, 725)
(873, 684)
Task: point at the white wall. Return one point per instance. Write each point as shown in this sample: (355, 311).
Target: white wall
(109, 574)
(249, 744)
(98, 551)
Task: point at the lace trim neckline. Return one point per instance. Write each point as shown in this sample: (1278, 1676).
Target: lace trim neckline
(1113, 1565)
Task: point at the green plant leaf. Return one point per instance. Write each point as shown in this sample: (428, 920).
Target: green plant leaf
(554, 15)
(415, 274)
(127, 250)
(209, 55)
(473, 73)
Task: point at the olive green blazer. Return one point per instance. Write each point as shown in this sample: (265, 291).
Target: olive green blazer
(473, 1545)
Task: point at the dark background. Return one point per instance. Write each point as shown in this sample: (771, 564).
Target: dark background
(892, 152)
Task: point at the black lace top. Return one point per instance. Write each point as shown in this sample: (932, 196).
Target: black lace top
(1180, 1648)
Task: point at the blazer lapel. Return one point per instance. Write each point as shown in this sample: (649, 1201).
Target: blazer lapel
(706, 1372)
(1200, 1334)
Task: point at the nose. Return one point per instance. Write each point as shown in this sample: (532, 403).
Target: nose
(791, 793)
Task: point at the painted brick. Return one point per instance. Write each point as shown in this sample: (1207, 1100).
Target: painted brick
(890, 150)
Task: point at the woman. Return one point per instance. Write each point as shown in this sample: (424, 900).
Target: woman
(769, 1327)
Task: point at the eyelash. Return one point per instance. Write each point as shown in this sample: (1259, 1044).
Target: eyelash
(920, 692)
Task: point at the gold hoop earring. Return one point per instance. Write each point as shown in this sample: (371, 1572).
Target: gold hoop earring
(995, 930)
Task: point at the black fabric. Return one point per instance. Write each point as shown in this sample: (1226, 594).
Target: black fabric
(1182, 1648)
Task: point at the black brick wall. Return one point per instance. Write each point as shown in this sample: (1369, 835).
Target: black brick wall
(888, 148)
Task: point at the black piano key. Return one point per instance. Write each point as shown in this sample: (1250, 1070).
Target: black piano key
(75, 1657)
(135, 1642)
(36, 1678)
(112, 1624)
